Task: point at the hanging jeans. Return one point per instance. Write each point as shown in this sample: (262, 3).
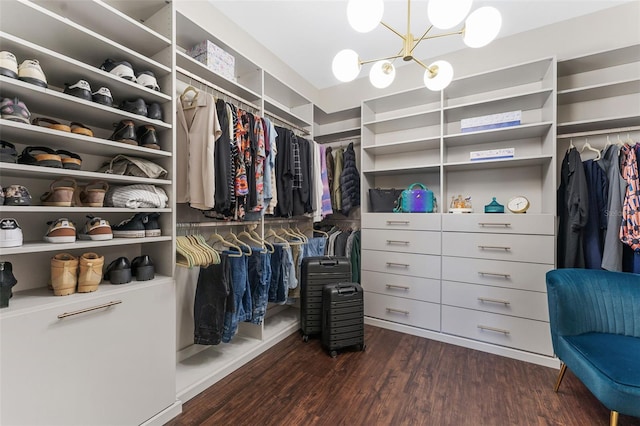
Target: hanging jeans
(241, 309)
(277, 278)
(213, 295)
(259, 279)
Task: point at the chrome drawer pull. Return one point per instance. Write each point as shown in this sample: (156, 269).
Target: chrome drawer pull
(402, 265)
(494, 248)
(82, 311)
(398, 222)
(399, 287)
(495, 274)
(489, 300)
(397, 311)
(397, 242)
(506, 225)
(497, 330)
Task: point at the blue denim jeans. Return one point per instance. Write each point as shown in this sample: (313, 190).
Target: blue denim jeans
(241, 309)
(213, 295)
(277, 278)
(259, 279)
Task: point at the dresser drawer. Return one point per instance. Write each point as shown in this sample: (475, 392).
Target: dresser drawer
(414, 221)
(519, 303)
(425, 289)
(108, 356)
(416, 265)
(404, 311)
(522, 248)
(420, 242)
(500, 273)
(518, 333)
(538, 224)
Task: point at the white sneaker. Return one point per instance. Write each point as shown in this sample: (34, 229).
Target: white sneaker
(8, 64)
(30, 71)
(10, 233)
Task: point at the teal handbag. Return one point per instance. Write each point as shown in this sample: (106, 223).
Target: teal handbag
(413, 200)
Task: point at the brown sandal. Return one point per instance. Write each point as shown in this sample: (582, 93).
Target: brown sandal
(51, 124)
(60, 195)
(92, 194)
(81, 129)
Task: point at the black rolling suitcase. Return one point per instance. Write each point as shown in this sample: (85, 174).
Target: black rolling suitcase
(342, 317)
(316, 272)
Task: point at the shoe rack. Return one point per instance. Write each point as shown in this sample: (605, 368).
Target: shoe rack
(101, 350)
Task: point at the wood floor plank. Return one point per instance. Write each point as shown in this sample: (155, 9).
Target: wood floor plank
(398, 380)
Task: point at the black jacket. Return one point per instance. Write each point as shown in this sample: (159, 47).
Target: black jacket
(350, 181)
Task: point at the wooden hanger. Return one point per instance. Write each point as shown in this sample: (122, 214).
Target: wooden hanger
(191, 103)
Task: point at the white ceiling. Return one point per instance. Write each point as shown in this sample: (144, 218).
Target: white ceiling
(306, 34)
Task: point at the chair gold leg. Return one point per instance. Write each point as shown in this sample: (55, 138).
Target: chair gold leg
(563, 369)
(614, 418)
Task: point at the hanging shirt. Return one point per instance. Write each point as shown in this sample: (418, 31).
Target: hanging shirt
(630, 227)
(196, 135)
(612, 252)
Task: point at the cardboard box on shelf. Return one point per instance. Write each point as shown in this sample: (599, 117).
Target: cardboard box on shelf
(215, 58)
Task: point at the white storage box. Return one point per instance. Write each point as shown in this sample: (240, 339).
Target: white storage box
(493, 121)
(215, 58)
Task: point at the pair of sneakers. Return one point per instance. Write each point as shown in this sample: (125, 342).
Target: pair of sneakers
(29, 70)
(63, 230)
(139, 225)
(124, 70)
(82, 89)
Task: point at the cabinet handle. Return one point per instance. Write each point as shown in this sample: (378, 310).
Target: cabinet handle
(402, 265)
(506, 225)
(495, 274)
(398, 222)
(399, 287)
(494, 248)
(497, 330)
(489, 300)
(397, 242)
(397, 311)
(93, 308)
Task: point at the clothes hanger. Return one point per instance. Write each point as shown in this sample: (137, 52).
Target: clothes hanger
(588, 146)
(183, 255)
(217, 238)
(266, 243)
(296, 238)
(211, 256)
(302, 235)
(245, 234)
(231, 237)
(271, 233)
(190, 103)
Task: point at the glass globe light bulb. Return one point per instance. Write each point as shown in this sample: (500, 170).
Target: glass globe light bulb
(364, 15)
(445, 14)
(346, 65)
(482, 26)
(382, 74)
(438, 75)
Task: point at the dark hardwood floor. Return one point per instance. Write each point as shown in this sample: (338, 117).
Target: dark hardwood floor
(399, 380)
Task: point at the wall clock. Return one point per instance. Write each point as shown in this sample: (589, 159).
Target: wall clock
(518, 204)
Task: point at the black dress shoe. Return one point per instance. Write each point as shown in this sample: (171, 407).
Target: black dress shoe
(136, 106)
(143, 269)
(147, 137)
(125, 132)
(154, 111)
(7, 281)
(118, 271)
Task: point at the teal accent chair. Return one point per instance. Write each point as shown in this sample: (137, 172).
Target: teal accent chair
(594, 317)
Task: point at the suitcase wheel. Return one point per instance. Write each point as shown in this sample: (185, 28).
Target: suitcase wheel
(333, 354)
(305, 338)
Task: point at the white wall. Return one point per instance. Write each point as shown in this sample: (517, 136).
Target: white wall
(605, 30)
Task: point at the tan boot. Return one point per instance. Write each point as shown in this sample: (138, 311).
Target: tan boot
(90, 272)
(64, 273)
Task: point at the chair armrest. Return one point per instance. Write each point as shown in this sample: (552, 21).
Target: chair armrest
(583, 300)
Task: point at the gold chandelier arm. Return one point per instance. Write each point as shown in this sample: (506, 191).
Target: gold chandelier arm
(461, 31)
(393, 30)
(420, 63)
(380, 59)
(421, 38)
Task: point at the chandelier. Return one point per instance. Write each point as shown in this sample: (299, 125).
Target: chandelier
(479, 29)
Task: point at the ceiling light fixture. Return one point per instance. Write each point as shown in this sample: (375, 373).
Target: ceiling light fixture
(480, 28)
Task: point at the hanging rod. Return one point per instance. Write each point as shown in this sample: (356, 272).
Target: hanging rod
(267, 222)
(286, 122)
(216, 88)
(599, 132)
